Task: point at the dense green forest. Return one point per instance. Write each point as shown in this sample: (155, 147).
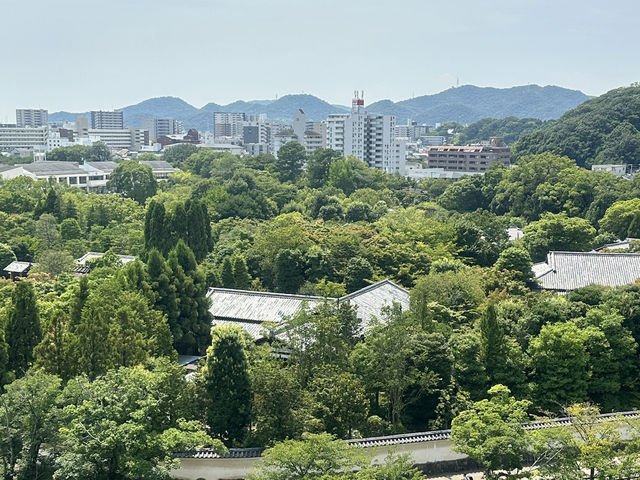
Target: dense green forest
(88, 365)
(604, 129)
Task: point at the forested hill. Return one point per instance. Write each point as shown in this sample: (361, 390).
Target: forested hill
(466, 104)
(602, 130)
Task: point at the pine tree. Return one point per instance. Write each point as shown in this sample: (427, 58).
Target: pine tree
(52, 204)
(226, 274)
(53, 353)
(228, 385)
(241, 277)
(23, 328)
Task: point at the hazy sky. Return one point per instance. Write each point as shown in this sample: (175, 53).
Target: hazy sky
(78, 55)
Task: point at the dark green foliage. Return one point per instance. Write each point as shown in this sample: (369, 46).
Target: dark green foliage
(318, 164)
(6, 255)
(226, 274)
(290, 160)
(133, 180)
(228, 385)
(23, 330)
(241, 278)
(510, 128)
(289, 270)
(358, 274)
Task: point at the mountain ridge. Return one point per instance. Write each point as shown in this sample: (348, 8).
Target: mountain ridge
(464, 104)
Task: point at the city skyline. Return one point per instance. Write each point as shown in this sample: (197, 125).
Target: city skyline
(221, 51)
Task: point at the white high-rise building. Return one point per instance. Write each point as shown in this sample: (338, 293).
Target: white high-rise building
(159, 127)
(13, 137)
(228, 124)
(107, 120)
(368, 137)
(31, 117)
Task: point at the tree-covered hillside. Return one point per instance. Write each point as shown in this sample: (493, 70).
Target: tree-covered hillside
(602, 130)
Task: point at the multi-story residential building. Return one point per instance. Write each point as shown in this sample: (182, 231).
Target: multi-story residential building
(411, 131)
(13, 137)
(368, 137)
(159, 127)
(320, 128)
(228, 124)
(258, 133)
(31, 117)
(107, 120)
(469, 158)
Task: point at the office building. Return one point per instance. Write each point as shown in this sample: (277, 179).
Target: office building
(31, 117)
(469, 158)
(121, 138)
(159, 127)
(107, 120)
(368, 137)
(13, 137)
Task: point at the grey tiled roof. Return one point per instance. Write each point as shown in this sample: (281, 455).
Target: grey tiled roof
(405, 438)
(371, 301)
(565, 271)
(106, 167)
(158, 165)
(17, 267)
(250, 310)
(49, 168)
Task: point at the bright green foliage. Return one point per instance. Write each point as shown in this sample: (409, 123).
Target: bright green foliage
(6, 255)
(620, 217)
(29, 416)
(54, 353)
(23, 330)
(228, 385)
(560, 363)
(558, 232)
(70, 229)
(491, 432)
(468, 369)
(133, 180)
(315, 457)
(566, 452)
(516, 259)
(138, 436)
(465, 195)
(177, 154)
(47, 232)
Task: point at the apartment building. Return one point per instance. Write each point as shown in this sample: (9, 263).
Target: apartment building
(228, 124)
(469, 158)
(368, 137)
(31, 117)
(107, 120)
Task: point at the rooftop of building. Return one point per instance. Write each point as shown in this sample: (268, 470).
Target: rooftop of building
(566, 271)
(18, 267)
(251, 310)
(50, 168)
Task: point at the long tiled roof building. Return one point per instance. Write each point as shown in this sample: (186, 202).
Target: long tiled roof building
(258, 312)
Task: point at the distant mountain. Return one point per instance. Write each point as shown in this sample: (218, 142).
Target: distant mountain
(465, 104)
(468, 104)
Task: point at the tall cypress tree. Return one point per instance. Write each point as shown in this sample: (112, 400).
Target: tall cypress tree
(228, 385)
(79, 299)
(191, 329)
(241, 277)
(179, 225)
(226, 274)
(23, 328)
(199, 237)
(156, 233)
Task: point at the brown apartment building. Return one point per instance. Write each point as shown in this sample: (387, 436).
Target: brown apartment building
(469, 158)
